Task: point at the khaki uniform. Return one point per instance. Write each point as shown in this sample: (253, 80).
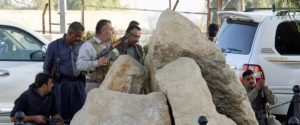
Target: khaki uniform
(88, 62)
(270, 99)
(100, 72)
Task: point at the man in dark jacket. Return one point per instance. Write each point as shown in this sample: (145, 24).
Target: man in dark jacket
(69, 83)
(37, 103)
(130, 46)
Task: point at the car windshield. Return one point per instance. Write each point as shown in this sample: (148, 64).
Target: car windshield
(236, 36)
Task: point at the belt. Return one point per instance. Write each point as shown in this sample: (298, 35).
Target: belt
(72, 78)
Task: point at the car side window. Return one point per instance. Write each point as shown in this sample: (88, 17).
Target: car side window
(287, 39)
(17, 44)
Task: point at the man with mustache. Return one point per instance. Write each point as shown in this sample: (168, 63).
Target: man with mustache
(69, 82)
(130, 46)
(260, 96)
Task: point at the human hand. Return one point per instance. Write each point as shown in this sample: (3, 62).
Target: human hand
(261, 84)
(60, 123)
(39, 119)
(265, 84)
(103, 61)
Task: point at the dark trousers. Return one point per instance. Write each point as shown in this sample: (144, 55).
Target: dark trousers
(69, 96)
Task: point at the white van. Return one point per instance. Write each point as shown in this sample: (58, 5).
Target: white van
(269, 44)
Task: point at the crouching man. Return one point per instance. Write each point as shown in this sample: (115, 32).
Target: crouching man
(38, 103)
(260, 96)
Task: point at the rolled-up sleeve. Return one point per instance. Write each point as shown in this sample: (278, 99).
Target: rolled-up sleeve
(271, 98)
(87, 58)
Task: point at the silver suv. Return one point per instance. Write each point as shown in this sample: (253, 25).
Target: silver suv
(21, 58)
(266, 42)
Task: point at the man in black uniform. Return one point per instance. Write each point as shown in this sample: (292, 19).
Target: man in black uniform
(37, 103)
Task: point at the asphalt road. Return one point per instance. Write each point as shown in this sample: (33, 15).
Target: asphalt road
(5, 119)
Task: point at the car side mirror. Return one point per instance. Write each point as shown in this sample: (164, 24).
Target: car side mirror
(44, 48)
(37, 55)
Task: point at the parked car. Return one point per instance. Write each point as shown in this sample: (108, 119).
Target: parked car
(269, 44)
(21, 58)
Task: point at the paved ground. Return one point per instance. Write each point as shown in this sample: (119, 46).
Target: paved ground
(5, 120)
(120, 19)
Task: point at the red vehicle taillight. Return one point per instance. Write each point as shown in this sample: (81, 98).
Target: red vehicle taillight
(257, 70)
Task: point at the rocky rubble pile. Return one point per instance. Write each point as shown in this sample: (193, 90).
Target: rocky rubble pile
(185, 77)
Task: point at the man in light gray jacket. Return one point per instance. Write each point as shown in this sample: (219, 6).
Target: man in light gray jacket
(88, 61)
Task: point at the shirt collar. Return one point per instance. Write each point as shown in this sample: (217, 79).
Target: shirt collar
(97, 40)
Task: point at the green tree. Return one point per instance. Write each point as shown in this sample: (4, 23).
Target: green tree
(92, 4)
(6, 4)
(292, 4)
(101, 4)
(71, 4)
(29, 4)
(235, 4)
(40, 4)
(74, 4)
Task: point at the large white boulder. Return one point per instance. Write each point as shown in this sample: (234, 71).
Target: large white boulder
(176, 36)
(105, 107)
(125, 75)
(188, 93)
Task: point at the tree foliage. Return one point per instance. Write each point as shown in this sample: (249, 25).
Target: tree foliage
(292, 4)
(5, 4)
(100, 4)
(26, 4)
(258, 3)
(71, 4)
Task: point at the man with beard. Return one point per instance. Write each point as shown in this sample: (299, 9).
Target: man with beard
(38, 103)
(88, 60)
(260, 96)
(130, 46)
(69, 82)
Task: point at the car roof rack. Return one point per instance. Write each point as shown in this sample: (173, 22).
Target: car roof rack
(280, 9)
(257, 9)
(289, 12)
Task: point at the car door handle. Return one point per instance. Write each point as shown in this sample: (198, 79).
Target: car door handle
(4, 73)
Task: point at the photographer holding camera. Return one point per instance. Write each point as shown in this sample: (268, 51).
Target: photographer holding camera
(260, 96)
